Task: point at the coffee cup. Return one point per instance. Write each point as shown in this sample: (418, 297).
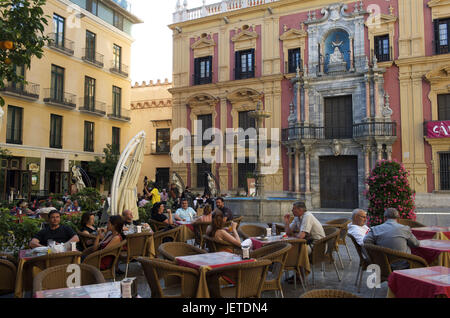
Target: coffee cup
(139, 229)
(245, 252)
(268, 231)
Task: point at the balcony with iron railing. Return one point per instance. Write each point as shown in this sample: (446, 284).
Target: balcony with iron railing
(29, 91)
(120, 114)
(92, 107)
(371, 129)
(92, 57)
(119, 68)
(61, 99)
(61, 44)
(183, 14)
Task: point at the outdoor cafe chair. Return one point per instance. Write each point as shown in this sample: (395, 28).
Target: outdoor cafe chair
(277, 253)
(84, 238)
(199, 231)
(164, 236)
(323, 249)
(385, 257)
(294, 261)
(171, 250)
(9, 257)
(247, 279)
(137, 245)
(157, 226)
(95, 259)
(412, 224)
(237, 220)
(328, 293)
(56, 277)
(157, 269)
(342, 224)
(8, 272)
(363, 261)
(214, 245)
(249, 230)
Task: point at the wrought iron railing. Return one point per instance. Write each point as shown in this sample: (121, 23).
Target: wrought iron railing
(30, 90)
(377, 129)
(121, 114)
(93, 57)
(119, 68)
(53, 96)
(90, 105)
(59, 42)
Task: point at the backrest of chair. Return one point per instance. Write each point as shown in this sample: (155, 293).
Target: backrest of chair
(377, 256)
(137, 244)
(56, 277)
(250, 230)
(54, 259)
(7, 276)
(9, 257)
(413, 260)
(162, 235)
(362, 258)
(323, 249)
(238, 220)
(328, 293)
(95, 258)
(200, 230)
(157, 226)
(410, 223)
(293, 256)
(156, 269)
(171, 250)
(248, 278)
(277, 253)
(214, 245)
(84, 238)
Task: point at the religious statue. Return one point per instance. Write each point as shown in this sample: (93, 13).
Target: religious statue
(77, 178)
(212, 187)
(337, 56)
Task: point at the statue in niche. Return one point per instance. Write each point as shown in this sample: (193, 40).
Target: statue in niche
(337, 56)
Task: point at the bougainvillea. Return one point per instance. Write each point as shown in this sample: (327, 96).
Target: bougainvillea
(389, 188)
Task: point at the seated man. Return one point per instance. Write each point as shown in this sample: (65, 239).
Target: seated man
(304, 226)
(185, 213)
(393, 235)
(55, 231)
(128, 223)
(227, 213)
(358, 228)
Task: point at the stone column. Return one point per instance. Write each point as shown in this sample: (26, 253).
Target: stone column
(352, 62)
(308, 168)
(306, 103)
(389, 152)
(376, 98)
(367, 150)
(368, 106)
(299, 102)
(380, 151)
(289, 154)
(297, 171)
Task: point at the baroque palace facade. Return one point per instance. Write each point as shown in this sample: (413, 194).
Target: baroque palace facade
(76, 100)
(346, 83)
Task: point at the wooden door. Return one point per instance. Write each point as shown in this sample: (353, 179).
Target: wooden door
(338, 117)
(339, 182)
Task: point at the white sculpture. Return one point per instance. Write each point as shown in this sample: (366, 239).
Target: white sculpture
(78, 178)
(337, 56)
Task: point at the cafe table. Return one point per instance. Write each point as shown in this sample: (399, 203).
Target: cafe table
(260, 241)
(151, 241)
(186, 231)
(435, 252)
(205, 262)
(425, 282)
(432, 232)
(23, 271)
(106, 290)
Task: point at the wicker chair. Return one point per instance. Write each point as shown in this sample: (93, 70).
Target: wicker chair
(385, 257)
(9, 257)
(277, 253)
(363, 261)
(7, 276)
(412, 224)
(157, 226)
(248, 279)
(171, 250)
(323, 250)
(342, 224)
(237, 220)
(328, 293)
(137, 245)
(84, 239)
(249, 230)
(293, 261)
(160, 236)
(56, 277)
(95, 259)
(214, 245)
(40, 263)
(157, 269)
(199, 231)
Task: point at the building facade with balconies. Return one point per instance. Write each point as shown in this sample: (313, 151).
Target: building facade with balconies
(324, 70)
(76, 100)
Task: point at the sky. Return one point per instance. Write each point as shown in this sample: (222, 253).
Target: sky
(151, 55)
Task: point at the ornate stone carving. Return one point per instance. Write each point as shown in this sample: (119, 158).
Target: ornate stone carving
(336, 147)
(387, 111)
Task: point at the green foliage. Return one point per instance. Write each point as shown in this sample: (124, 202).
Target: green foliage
(73, 221)
(89, 199)
(103, 169)
(389, 188)
(145, 213)
(22, 22)
(16, 236)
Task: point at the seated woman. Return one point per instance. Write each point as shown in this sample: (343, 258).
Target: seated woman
(217, 231)
(108, 237)
(87, 223)
(207, 215)
(157, 214)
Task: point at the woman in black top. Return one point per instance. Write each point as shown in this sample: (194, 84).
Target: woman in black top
(157, 214)
(87, 223)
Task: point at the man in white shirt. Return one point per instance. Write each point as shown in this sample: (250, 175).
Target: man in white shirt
(185, 213)
(358, 228)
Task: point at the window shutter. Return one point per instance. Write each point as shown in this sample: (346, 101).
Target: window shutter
(253, 62)
(210, 59)
(436, 36)
(196, 71)
(237, 65)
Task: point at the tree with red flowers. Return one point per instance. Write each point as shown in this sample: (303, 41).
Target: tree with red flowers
(389, 188)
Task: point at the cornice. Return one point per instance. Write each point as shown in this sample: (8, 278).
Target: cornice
(153, 103)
